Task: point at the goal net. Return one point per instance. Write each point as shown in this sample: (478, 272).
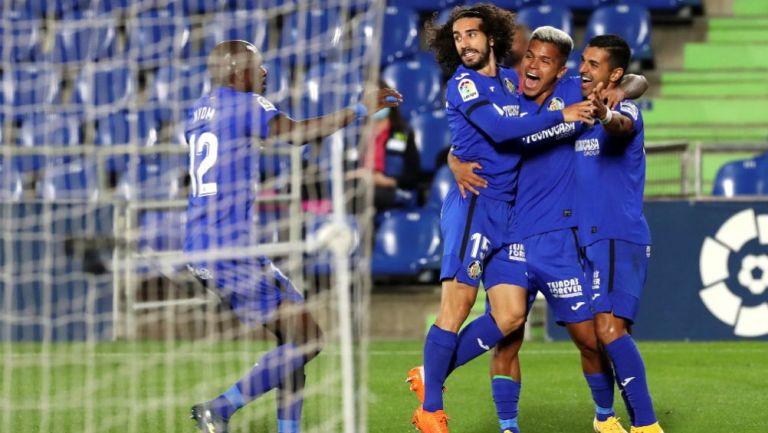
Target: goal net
(102, 326)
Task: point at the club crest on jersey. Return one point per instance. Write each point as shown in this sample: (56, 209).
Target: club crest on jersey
(510, 85)
(467, 90)
(475, 269)
(265, 103)
(556, 104)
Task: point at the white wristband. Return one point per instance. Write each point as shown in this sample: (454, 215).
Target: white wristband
(608, 117)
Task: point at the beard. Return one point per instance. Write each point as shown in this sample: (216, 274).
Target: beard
(482, 59)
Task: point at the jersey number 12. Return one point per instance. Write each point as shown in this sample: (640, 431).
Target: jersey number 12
(206, 143)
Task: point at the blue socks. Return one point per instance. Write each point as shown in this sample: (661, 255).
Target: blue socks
(268, 373)
(478, 337)
(290, 401)
(601, 385)
(630, 375)
(439, 347)
(506, 395)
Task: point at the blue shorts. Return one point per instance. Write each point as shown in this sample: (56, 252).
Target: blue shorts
(478, 241)
(555, 269)
(618, 270)
(254, 288)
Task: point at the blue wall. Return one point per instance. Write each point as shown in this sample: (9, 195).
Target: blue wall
(673, 303)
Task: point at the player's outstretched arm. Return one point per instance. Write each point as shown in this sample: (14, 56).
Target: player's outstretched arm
(501, 129)
(631, 87)
(614, 123)
(298, 132)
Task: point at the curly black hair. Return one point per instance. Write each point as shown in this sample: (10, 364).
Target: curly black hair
(497, 24)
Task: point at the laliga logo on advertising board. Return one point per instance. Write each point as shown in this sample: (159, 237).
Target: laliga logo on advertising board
(738, 298)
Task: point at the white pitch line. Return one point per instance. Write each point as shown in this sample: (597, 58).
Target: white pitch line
(249, 354)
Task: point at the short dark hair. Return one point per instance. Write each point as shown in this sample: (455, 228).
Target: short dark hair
(497, 24)
(619, 52)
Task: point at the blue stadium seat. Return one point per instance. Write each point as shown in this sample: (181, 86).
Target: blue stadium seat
(328, 87)
(161, 230)
(407, 243)
(631, 22)
(546, 15)
(432, 136)
(176, 87)
(573, 63)
(20, 38)
(657, 5)
(32, 87)
(49, 8)
(512, 5)
(258, 4)
(75, 178)
(153, 177)
(11, 185)
(245, 25)
(157, 36)
(124, 128)
(102, 84)
(76, 42)
(441, 184)
(744, 177)
(194, 7)
(423, 5)
(45, 129)
(419, 79)
(315, 33)
(112, 5)
(401, 25)
(278, 80)
(580, 5)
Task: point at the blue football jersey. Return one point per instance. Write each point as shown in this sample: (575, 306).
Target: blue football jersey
(610, 183)
(547, 182)
(222, 133)
(486, 135)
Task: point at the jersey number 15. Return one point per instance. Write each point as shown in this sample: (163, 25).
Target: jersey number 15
(206, 143)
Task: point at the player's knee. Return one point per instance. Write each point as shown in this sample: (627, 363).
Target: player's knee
(509, 323)
(588, 347)
(608, 330)
(454, 310)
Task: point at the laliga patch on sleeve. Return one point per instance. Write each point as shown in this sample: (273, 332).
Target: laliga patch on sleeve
(265, 103)
(629, 109)
(467, 90)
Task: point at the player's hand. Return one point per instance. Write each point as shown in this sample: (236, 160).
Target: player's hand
(381, 98)
(597, 99)
(465, 175)
(579, 112)
(612, 97)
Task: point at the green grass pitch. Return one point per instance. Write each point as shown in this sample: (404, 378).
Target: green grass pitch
(697, 387)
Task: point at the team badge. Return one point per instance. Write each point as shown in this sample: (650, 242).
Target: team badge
(467, 90)
(265, 103)
(510, 85)
(475, 269)
(556, 104)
